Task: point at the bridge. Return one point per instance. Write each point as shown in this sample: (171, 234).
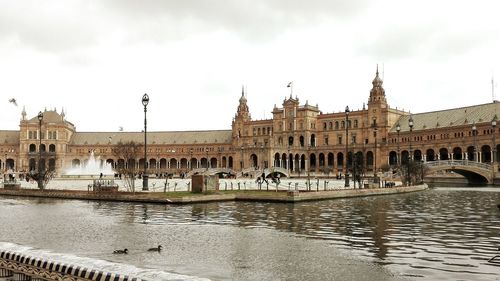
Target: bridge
(474, 172)
(211, 171)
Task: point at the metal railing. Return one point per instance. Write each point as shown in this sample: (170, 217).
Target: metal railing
(469, 163)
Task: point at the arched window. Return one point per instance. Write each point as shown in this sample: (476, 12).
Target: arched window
(52, 148)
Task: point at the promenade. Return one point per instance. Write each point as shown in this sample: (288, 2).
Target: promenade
(185, 197)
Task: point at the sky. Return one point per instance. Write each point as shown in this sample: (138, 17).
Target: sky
(97, 58)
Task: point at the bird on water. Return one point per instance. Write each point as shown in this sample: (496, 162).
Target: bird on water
(158, 249)
(124, 251)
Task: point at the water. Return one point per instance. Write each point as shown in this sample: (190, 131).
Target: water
(92, 166)
(440, 234)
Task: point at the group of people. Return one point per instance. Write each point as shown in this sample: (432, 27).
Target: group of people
(275, 178)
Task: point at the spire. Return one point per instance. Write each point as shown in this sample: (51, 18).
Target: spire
(62, 113)
(377, 93)
(23, 113)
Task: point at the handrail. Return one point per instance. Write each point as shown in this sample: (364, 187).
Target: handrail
(458, 163)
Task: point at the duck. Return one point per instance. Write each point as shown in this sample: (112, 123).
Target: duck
(158, 249)
(124, 251)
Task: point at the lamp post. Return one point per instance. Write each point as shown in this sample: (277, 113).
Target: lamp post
(375, 153)
(494, 126)
(398, 129)
(241, 158)
(206, 151)
(410, 156)
(474, 130)
(40, 176)
(346, 146)
(145, 101)
(191, 159)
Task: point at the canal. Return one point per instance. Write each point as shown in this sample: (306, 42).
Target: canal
(439, 234)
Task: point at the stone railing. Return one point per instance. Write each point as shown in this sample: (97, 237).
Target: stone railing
(458, 163)
(14, 266)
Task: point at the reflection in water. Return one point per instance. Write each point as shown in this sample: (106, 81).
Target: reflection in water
(442, 234)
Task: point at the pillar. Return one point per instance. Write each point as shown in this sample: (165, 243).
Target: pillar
(5, 274)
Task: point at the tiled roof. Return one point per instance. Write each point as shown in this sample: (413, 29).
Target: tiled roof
(451, 117)
(9, 137)
(181, 137)
(50, 116)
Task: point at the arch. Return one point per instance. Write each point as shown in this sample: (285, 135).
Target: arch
(141, 163)
(340, 159)
(443, 154)
(470, 153)
(301, 140)
(393, 158)
(297, 162)
(32, 165)
(290, 162)
(457, 153)
(184, 163)
(43, 148)
(312, 161)
(321, 160)
(302, 162)
(417, 155)
(120, 163)
(284, 161)
(290, 141)
(277, 160)
(52, 164)
(111, 162)
(10, 164)
(131, 164)
(230, 162)
(32, 148)
(330, 159)
(75, 163)
(485, 154)
(163, 163)
(224, 162)
(313, 140)
(213, 162)
(336, 125)
(405, 156)
(152, 163)
(42, 164)
(369, 159)
(193, 163)
(430, 155)
(52, 148)
(173, 163)
(254, 160)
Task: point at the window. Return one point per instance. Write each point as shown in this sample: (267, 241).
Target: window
(326, 141)
(340, 140)
(355, 123)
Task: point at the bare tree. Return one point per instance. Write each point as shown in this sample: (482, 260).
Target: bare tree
(413, 172)
(46, 172)
(128, 152)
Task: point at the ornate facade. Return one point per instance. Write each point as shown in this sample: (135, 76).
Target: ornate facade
(298, 137)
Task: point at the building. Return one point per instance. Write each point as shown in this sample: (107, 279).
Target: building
(298, 138)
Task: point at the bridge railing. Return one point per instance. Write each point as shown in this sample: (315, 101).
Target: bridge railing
(458, 163)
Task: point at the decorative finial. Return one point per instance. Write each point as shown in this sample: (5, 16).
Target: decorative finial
(242, 90)
(377, 69)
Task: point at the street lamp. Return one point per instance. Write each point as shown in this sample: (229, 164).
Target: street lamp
(206, 150)
(145, 101)
(474, 130)
(410, 156)
(346, 146)
(494, 125)
(241, 158)
(398, 129)
(191, 159)
(40, 176)
(375, 154)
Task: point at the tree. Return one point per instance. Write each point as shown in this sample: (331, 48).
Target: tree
(45, 172)
(128, 152)
(413, 172)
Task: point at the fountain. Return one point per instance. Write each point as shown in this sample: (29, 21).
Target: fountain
(91, 168)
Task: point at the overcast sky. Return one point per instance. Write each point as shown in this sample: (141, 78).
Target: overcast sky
(97, 58)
